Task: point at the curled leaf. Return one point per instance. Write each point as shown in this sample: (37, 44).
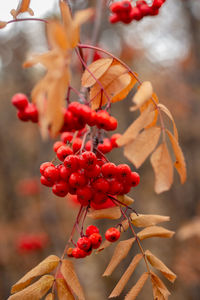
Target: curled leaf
(147, 220)
(159, 289)
(111, 213)
(163, 168)
(137, 287)
(155, 231)
(125, 277)
(46, 266)
(139, 149)
(143, 93)
(22, 7)
(121, 251)
(168, 113)
(63, 290)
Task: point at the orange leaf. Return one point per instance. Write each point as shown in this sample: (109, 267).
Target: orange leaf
(46, 266)
(97, 68)
(167, 112)
(124, 199)
(153, 101)
(133, 130)
(121, 251)
(163, 168)
(139, 149)
(3, 24)
(155, 231)
(158, 287)
(180, 161)
(50, 296)
(69, 274)
(22, 7)
(143, 93)
(147, 220)
(125, 277)
(137, 287)
(159, 265)
(57, 36)
(63, 290)
(36, 290)
(111, 213)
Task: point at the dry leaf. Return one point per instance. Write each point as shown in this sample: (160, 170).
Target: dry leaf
(57, 36)
(125, 277)
(36, 290)
(158, 286)
(97, 68)
(139, 149)
(155, 231)
(121, 251)
(50, 296)
(116, 83)
(111, 213)
(147, 220)
(3, 24)
(69, 274)
(180, 161)
(22, 7)
(46, 266)
(63, 290)
(189, 230)
(133, 130)
(163, 168)
(151, 102)
(137, 287)
(124, 199)
(159, 265)
(167, 112)
(143, 93)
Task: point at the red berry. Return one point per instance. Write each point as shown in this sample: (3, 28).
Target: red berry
(64, 172)
(57, 145)
(22, 116)
(20, 101)
(114, 18)
(44, 165)
(85, 112)
(116, 7)
(75, 108)
(66, 137)
(99, 198)
(88, 146)
(135, 178)
(45, 182)
(51, 173)
(96, 240)
(32, 112)
(92, 120)
(109, 170)
(135, 14)
(84, 243)
(101, 185)
(89, 160)
(123, 172)
(157, 4)
(102, 119)
(63, 152)
(113, 140)
(115, 187)
(112, 234)
(126, 6)
(91, 229)
(84, 194)
(71, 162)
(145, 10)
(68, 118)
(77, 145)
(105, 147)
(77, 180)
(78, 253)
(60, 188)
(94, 172)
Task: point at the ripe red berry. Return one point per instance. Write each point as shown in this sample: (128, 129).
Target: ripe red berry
(114, 18)
(92, 120)
(32, 112)
(78, 253)
(116, 7)
(101, 185)
(71, 162)
(115, 187)
(44, 165)
(105, 147)
(57, 145)
(77, 180)
(89, 160)
(94, 172)
(84, 195)
(75, 108)
(22, 116)
(84, 243)
(63, 152)
(51, 173)
(91, 229)
(135, 178)
(99, 198)
(66, 137)
(20, 101)
(112, 234)
(64, 172)
(60, 188)
(45, 182)
(102, 119)
(126, 6)
(77, 145)
(85, 112)
(96, 240)
(109, 170)
(157, 4)
(135, 14)
(123, 172)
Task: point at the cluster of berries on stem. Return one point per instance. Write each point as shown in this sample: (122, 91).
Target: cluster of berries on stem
(26, 111)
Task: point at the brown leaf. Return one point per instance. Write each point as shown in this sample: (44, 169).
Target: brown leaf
(3, 24)
(163, 168)
(133, 130)
(22, 7)
(159, 265)
(63, 290)
(139, 149)
(125, 277)
(116, 83)
(189, 230)
(69, 274)
(124, 199)
(137, 287)
(46, 266)
(155, 231)
(121, 251)
(180, 161)
(147, 220)
(159, 287)
(111, 213)
(151, 102)
(36, 290)
(97, 68)
(50, 296)
(143, 93)
(168, 113)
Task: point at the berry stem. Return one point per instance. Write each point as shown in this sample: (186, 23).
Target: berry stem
(27, 19)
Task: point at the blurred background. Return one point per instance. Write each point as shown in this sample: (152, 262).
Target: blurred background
(162, 49)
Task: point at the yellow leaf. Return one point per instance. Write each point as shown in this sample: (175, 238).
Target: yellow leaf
(125, 277)
(155, 231)
(36, 290)
(22, 7)
(3, 24)
(167, 112)
(46, 266)
(158, 287)
(159, 265)
(121, 251)
(133, 130)
(139, 149)
(163, 168)
(180, 161)
(63, 290)
(97, 68)
(124, 199)
(111, 213)
(50, 296)
(143, 93)
(69, 274)
(137, 287)
(147, 220)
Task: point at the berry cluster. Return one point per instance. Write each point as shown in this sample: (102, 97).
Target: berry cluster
(126, 13)
(92, 240)
(31, 242)
(26, 110)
